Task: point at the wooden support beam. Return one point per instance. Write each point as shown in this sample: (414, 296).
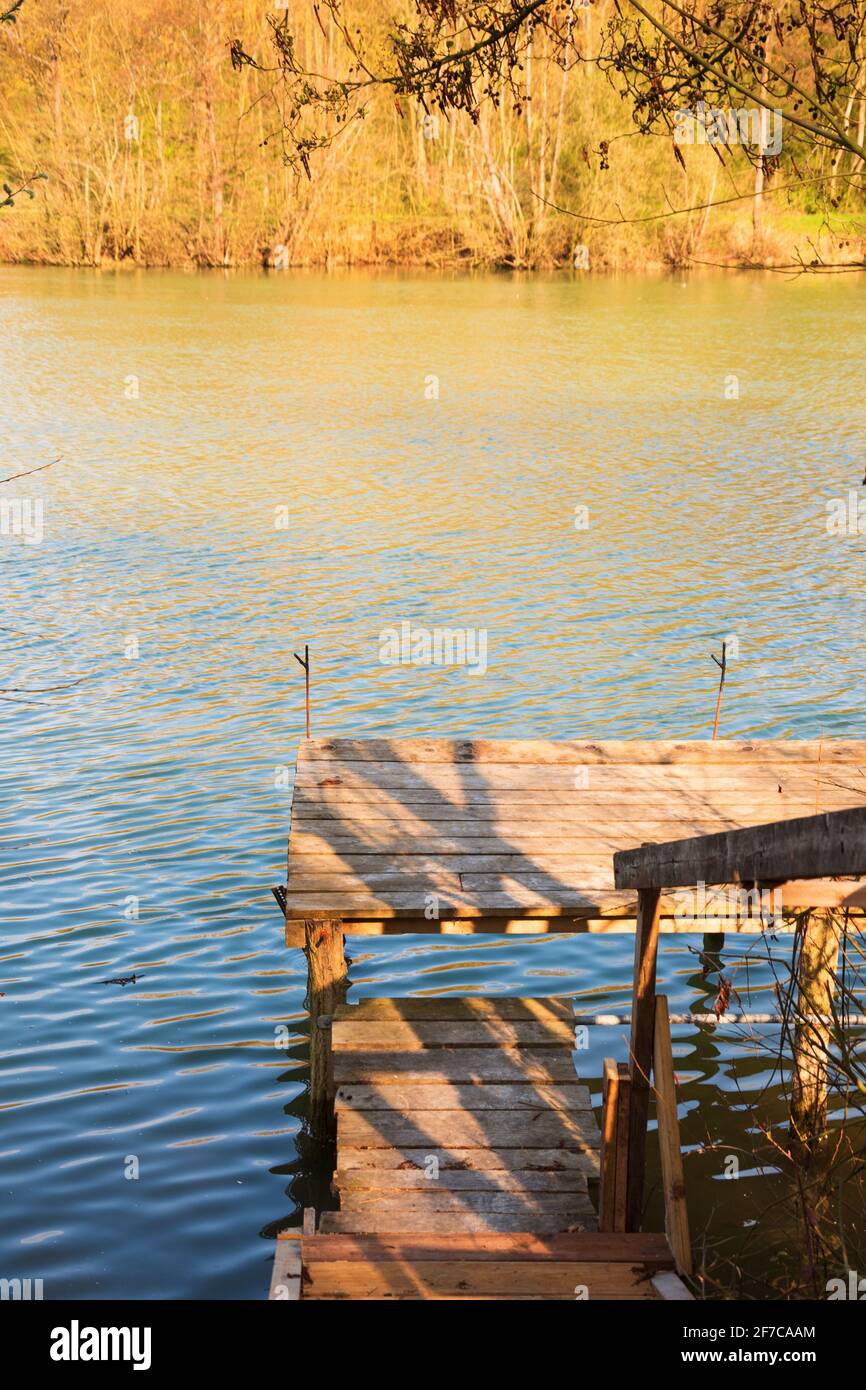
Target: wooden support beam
(816, 972)
(613, 1186)
(623, 1123)
(641, 1047)
(824, 846)
(673, 1178)
(327, 983)
(607, 1182)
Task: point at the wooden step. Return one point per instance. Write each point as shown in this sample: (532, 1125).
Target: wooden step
(443, 1065)
(460, 1115)
(489, 1265)
(417, 1096)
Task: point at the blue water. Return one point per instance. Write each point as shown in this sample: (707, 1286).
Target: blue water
(149, 1131)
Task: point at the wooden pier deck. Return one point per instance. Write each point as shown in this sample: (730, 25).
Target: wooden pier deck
(464, 1138)
(519, 836)
(460, 1115)
(465, 1145)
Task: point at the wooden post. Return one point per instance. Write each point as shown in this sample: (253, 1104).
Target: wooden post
(607, 1167)
(326, 988)
(623, 1122)
(673, 1178)
(713, 945)
(816, 971)
(613, 1188)
(641, 1047)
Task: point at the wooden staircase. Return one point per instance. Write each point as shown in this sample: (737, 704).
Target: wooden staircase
(465, 1146)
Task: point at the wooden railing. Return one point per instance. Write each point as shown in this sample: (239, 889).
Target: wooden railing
(765, 856)
(616, 1123)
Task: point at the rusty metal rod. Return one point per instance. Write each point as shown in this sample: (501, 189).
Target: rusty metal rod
(305, 662)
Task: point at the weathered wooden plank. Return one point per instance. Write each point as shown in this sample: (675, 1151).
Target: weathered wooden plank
(641, 1048)
(438, 1199)
(471, 1097)
(622, 1148)
(474, 885)
(403, 1222)
(616, 924)
(399, 834)
(741, 811)
(426, 799)
(809, 847)
(573, 902)
(443, 1066)
(673, 1180)
(374, 1035)
(592, 751)
(442, 1008)
(646, 1248)
(388, 881)
(607, 1160)
(634, 812)
(430, 1296)
(437, 1297)
(456, 1129)
(592, 840)
(795, 777)
(396, 1180)
(587, 845)
(381, 1279)
(482, 1160)
(610, 806)
(330, 861)
(568, 901)
(598, 880)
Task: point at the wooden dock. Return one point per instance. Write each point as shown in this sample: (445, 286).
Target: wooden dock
(433, 835)
(460, 1115)
(464, 1140)
(465, 1145)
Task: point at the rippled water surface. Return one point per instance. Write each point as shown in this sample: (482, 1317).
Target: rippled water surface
(145, 807)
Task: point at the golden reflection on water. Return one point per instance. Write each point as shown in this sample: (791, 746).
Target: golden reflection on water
(280, 478)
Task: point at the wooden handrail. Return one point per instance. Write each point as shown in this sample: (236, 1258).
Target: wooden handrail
(673, 1178)
(808, 847)
(646, 938)
(616, 1106)
(822, 846)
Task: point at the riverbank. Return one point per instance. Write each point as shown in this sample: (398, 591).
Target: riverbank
(157, 153)
(793, 240)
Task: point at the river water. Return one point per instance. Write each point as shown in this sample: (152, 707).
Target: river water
(608, 476)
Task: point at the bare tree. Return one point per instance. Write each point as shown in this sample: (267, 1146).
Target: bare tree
(801, 64)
